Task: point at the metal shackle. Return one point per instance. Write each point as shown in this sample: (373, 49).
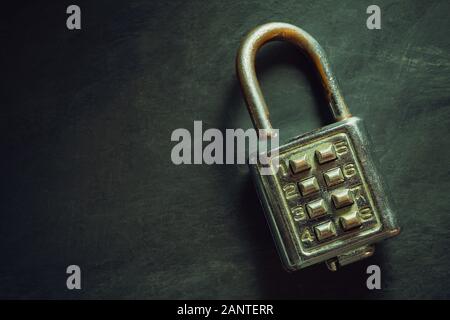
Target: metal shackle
(245, 65)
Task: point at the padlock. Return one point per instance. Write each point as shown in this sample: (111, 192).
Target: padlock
(325, 201)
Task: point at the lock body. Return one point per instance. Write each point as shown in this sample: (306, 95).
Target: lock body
(325, 200)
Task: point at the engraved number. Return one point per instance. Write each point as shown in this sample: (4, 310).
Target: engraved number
(366, 213)
(349, 170)
(358, 194)
(290, 191)
(283, 172)
(307, 236)
(341, 147)
(299, 213)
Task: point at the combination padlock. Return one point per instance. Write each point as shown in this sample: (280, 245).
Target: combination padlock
(324, 200)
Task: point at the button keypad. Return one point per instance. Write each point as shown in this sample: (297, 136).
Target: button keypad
(333, 177)
(299, 164)
(330, 196)
(350, 220)
(316, 208)
(326, 153)
(342, 198)
(325, 230)
(308, 186)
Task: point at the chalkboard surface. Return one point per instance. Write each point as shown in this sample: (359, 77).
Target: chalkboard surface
(87, 116)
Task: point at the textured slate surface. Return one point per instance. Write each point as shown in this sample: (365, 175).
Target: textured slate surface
(86, 122)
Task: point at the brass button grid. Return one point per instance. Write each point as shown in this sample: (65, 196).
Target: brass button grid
(350, 220)
(326, 186)
(333, 177)
(325, 230)
(342, 198)
(316, 208)
(308, 186)
(299, 164)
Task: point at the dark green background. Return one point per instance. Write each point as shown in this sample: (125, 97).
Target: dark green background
(87, 116)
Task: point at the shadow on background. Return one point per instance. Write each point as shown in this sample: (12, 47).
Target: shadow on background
(275, 282)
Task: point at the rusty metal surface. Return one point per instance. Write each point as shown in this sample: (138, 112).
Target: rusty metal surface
(245, 65)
